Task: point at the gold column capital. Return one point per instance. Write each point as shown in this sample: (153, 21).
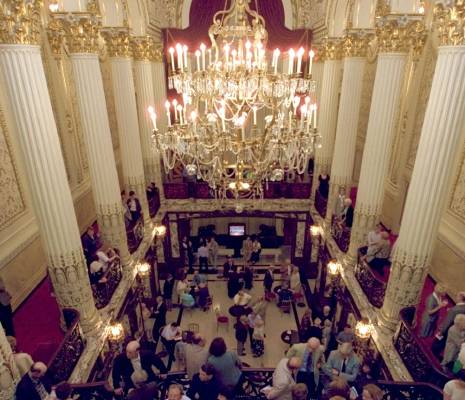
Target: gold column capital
(355, 43)
(399, 34)
(319, 50)
(82, 32)
(20, 22)
(144, 48)
(450, 23)
(332, 48)
(56, 35)
(117, 41)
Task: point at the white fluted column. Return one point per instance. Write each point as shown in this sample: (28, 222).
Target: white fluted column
(26, 88)
(122, 78)
(378, 142)
(354, 47)
(96, 129)
(144, 53)
(328, 110)
(428, 190)
(159, 81)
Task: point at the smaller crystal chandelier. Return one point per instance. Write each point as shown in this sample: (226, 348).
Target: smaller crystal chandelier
(242, 120)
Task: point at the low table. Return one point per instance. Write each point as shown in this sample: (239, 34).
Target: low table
(290, 338)
(237, 311)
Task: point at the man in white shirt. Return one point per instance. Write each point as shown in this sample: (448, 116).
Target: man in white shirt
(169, 336)
(283, 379)
(202, 253)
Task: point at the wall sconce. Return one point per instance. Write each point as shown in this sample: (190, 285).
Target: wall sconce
(364, 329)
(143, 269)
(334, 267)
(159, 230)
(315, 230)
(53, 6)
(115, 332)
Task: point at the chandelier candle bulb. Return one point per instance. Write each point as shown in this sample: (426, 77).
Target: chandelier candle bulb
(184, 50)
(197, 55)
(153, 117)
(173, 66)
(209, 57)
(202, 49)
(179, 55)
(311, 54)
(167, 105)
(290, 68)
(300, 53)
(179, 108)
(254, 115)
(175, 104)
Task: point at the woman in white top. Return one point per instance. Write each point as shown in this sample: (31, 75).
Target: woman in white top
(295, 284)
(242, 298)
(454, 390)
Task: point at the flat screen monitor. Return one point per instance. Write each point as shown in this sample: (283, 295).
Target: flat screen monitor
(236, 229)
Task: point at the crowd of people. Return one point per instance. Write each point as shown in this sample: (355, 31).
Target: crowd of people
(100, 257)
(324, 363)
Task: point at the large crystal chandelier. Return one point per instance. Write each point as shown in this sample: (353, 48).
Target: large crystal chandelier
(240, 120)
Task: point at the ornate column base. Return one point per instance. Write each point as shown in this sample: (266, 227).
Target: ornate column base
(407, 277)
(364, 222)
(70, 280)
(111, 222)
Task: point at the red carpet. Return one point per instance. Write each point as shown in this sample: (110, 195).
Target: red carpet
(37, 323)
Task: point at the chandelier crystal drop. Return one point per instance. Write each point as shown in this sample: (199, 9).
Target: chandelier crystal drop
(240, 120)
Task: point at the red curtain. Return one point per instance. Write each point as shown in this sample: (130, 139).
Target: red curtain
(201, 16)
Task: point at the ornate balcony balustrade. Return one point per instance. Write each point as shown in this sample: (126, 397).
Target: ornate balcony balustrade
(410, 391)
(341, 235)
(373, 287)
(321, 204)
(67, 355)
(415, 356)
(103, 289)
(272, 190)
(135, 234)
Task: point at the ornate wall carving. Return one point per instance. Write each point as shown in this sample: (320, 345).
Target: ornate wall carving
(12, 202)
(310, 13)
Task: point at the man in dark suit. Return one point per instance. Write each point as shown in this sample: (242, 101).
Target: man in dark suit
(159, 313)
(132, 360)
(33, 385)
(204, 385)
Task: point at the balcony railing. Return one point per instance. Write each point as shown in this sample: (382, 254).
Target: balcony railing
(341, 235)
(272, 190)
(255, 379)
(321, 203)
(103, 289)
(415, 356)
(410, 391)
(373, 287)
(67, 355)
(135, 234)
